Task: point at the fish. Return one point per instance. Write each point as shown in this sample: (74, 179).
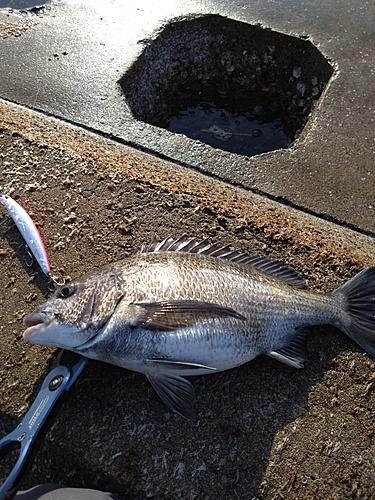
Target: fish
(185, 307)
(29, 232)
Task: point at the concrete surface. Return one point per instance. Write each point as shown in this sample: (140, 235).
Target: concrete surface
(68, 62)
(264, 430)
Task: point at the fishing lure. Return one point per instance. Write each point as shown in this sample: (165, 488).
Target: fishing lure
(29, 232)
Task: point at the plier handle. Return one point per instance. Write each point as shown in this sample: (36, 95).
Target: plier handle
(30, 432)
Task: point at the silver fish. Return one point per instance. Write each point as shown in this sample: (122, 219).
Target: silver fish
(186, 307)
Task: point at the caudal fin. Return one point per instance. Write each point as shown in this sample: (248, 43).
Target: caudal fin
(358, 320)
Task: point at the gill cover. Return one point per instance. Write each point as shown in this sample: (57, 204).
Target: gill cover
(76, 312)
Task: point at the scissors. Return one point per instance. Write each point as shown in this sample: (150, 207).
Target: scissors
(29, 434)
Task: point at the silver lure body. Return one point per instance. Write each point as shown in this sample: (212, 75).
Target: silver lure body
(176, 310)
(28, 230)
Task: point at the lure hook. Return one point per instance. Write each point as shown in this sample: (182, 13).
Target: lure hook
(6, 219)
(55, 281)
(31, 257)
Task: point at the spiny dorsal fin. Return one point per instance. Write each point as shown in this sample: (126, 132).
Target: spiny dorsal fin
(203, 247)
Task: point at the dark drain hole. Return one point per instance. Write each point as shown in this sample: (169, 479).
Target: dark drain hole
(237, 87)
(241, 134)
(29, 5)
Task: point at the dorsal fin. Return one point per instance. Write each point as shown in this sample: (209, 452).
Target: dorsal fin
(203, 247)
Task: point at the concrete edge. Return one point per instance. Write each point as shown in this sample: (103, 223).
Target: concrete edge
(325, 241)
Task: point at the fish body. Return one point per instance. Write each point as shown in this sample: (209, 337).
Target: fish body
(184, 307)
(28, 230)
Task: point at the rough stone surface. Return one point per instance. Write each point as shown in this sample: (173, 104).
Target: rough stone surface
(264, 430)
(68, 60)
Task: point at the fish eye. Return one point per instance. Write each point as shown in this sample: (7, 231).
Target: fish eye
(67, 290)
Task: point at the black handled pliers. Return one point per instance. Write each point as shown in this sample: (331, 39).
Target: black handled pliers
(30, 432)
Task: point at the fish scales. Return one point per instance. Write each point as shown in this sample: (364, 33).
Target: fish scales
(174, 310)
(266, 302)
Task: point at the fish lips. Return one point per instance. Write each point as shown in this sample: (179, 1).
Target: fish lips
(44, 329)
(34, 322)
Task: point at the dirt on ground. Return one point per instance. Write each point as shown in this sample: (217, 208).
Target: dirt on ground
(263, 430)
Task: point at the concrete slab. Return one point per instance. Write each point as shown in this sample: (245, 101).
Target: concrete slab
(264, 430)
(68, 62)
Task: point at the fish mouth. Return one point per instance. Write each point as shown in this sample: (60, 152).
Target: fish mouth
(35, 322)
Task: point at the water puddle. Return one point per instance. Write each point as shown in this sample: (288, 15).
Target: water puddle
(229, 84)
(22, 5)
(241, 134)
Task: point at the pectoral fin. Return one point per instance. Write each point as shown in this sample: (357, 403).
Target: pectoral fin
(176, 392)
(168, 316)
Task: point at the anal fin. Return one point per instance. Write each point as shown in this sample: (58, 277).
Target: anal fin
(295, 353)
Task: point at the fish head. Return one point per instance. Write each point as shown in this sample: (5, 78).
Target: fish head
(75, 313)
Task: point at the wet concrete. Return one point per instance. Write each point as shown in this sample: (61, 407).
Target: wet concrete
(68, 62)
(264, 430)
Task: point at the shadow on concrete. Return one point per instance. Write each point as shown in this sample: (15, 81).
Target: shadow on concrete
(15, 240)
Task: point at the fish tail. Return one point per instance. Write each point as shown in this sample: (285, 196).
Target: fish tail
(358, 318)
